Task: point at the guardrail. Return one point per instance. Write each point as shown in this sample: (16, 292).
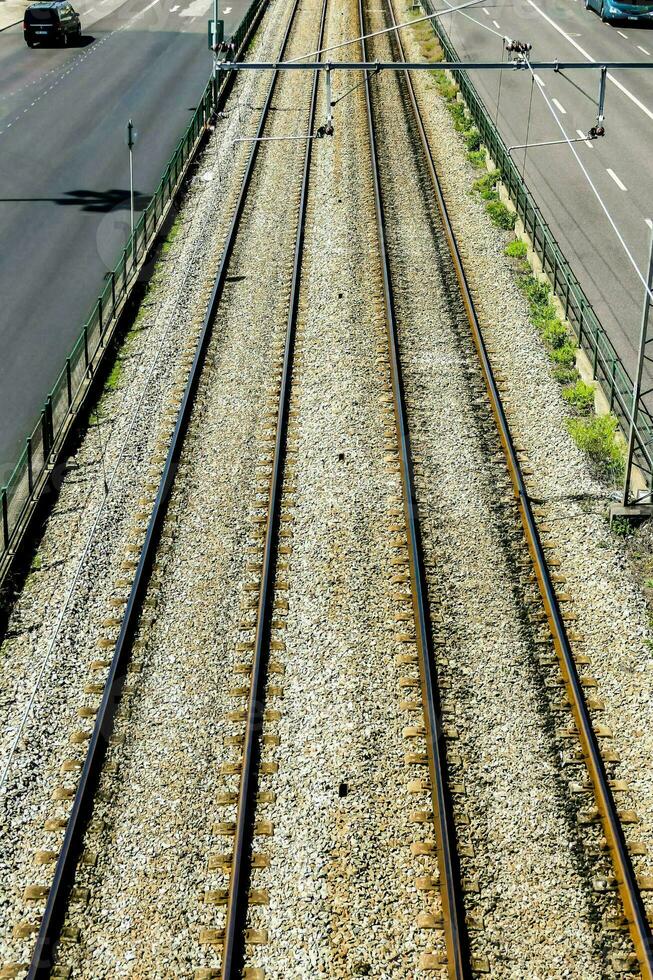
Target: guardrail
(591, 336)
(35, 467)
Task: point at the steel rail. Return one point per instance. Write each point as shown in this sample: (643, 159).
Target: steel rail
(404, 65)
(55, 909)
(458, 963)
(243, 846)
(624, 872)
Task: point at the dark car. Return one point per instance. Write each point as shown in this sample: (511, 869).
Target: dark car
(53, 22)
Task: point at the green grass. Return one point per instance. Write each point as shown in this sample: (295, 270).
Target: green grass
(595, 436)
(516, 249)
(580, 396)
(172, 234)
(113, 381)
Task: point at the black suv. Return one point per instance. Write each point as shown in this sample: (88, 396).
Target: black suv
(53, 22)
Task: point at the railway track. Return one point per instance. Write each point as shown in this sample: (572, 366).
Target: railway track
(459, 962)
(231, 939)
(244, 782)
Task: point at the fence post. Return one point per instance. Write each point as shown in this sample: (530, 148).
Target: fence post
(69, 383)
(48, 420)
(30, 475)
(100, 318)
(86, 345)
(5, 518)
(113, 292)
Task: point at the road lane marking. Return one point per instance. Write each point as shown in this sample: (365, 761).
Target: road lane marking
(559, 107)
(643, 50)
(194, 9)
(540, 81)
(619, 183)
(588, 57)
(583, 136)
(649, 223)
(622, 34)
(498, 26)
(486, 11)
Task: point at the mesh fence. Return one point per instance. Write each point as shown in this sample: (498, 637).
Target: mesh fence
(590, 334)
(71, 385)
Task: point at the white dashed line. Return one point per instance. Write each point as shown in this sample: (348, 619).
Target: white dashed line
(643, 50)
(559, 107)
(622, 34)
(540, 81)
(615, 81)
(486, 11)
(619, 183)
(583, 136)
(649, 223)
(498, 26)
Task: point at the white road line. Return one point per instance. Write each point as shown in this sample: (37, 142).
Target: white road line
(559, 107)
(486, 11)
(588, 57)
(619, 183)
(498, 26)
(643, 50)
(622, 34)
(539, 81)
(649, 223)
(583, 136)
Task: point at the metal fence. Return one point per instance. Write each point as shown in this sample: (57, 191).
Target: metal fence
(42, 446)
(590, 334)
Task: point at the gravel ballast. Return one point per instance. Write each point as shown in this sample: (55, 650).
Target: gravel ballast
(63, 619)
(612, 622)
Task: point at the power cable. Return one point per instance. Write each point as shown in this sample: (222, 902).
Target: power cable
(385, 30)
(528, 127)
(503, 52)
(595, 191)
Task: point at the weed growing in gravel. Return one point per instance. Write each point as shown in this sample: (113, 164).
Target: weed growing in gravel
(477, 158)
(460, 121)
(580, 396)
(486, 185)
(473, 140)
(555, 333)
(516, 249)
(448, 90)
(596, 437)
(621, 527)
(500, 215)
(565, 375)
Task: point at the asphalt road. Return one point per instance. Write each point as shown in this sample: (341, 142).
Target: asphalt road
(64, 173)
(619, 164)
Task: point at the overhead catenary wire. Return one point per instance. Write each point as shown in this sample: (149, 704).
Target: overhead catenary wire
(479, 23)
(385, 30)
(595, 190)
